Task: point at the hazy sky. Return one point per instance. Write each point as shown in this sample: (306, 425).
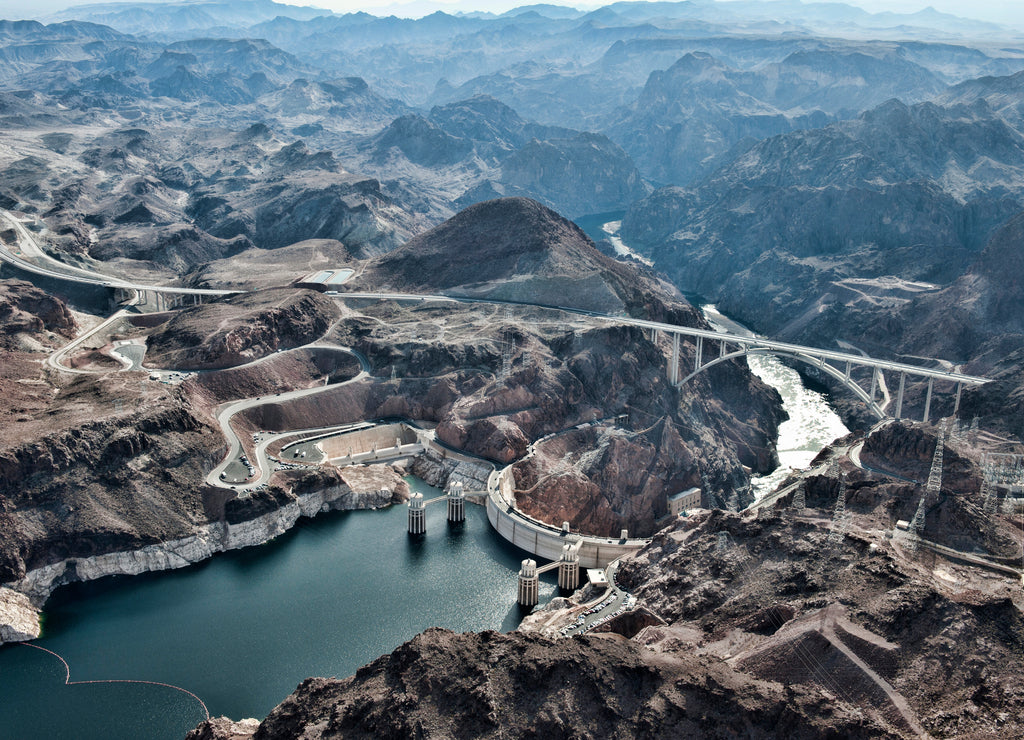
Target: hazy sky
(1004, 11)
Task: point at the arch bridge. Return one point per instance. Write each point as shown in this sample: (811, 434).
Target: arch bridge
(838, 365)
(712, 348)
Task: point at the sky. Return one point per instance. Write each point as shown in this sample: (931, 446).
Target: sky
(1010, 12)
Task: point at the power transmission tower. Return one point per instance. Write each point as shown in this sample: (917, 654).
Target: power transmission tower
(833, 468)
(935, 474)
(932, 488)
(507, 348)
(989, 497)
(956, 434)
(840, 520)
(917, 523)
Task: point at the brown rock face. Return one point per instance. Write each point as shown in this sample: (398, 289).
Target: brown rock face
(603, 480)
(112, 484)
(240, 329)
(25, 308)
(490, 685)
(912, 641)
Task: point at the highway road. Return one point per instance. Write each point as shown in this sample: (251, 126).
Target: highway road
(56, 359)
(812, 354)
(229, 410)
(60, 271)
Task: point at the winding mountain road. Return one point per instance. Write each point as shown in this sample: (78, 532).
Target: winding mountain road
(228, 411)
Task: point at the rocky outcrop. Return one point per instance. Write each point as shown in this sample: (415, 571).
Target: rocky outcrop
(222, 728)
(487, 685)
(438, 467)
(241, 329)
(97, 442)
(19, 619)
(25, 308)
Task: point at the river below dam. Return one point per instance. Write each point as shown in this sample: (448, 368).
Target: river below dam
(241, 630)
(812, 422)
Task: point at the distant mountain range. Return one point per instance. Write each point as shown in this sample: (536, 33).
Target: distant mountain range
(758, 160)
(912, 191)
(190, 15)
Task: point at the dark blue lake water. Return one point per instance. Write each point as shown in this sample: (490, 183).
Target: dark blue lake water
(243, 629)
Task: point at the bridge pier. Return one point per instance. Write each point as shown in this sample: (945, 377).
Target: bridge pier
(673, 368)
(417, 514)
(529, 584)
(700, 351)
(959, 390)
(899, 396)
(874, 384)
(928, 399)
(721, 348)
(456, 502)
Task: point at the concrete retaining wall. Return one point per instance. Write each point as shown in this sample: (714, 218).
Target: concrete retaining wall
(363, 442)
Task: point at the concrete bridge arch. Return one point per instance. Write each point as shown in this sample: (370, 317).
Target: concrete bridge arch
(816, 362)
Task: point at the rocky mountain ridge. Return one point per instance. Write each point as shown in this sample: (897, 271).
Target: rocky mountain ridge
(691, 117)
(479, 685)
(912, 192)
(248, 328)
(516, 249)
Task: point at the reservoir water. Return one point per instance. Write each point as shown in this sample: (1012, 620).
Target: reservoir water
(244, 628)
